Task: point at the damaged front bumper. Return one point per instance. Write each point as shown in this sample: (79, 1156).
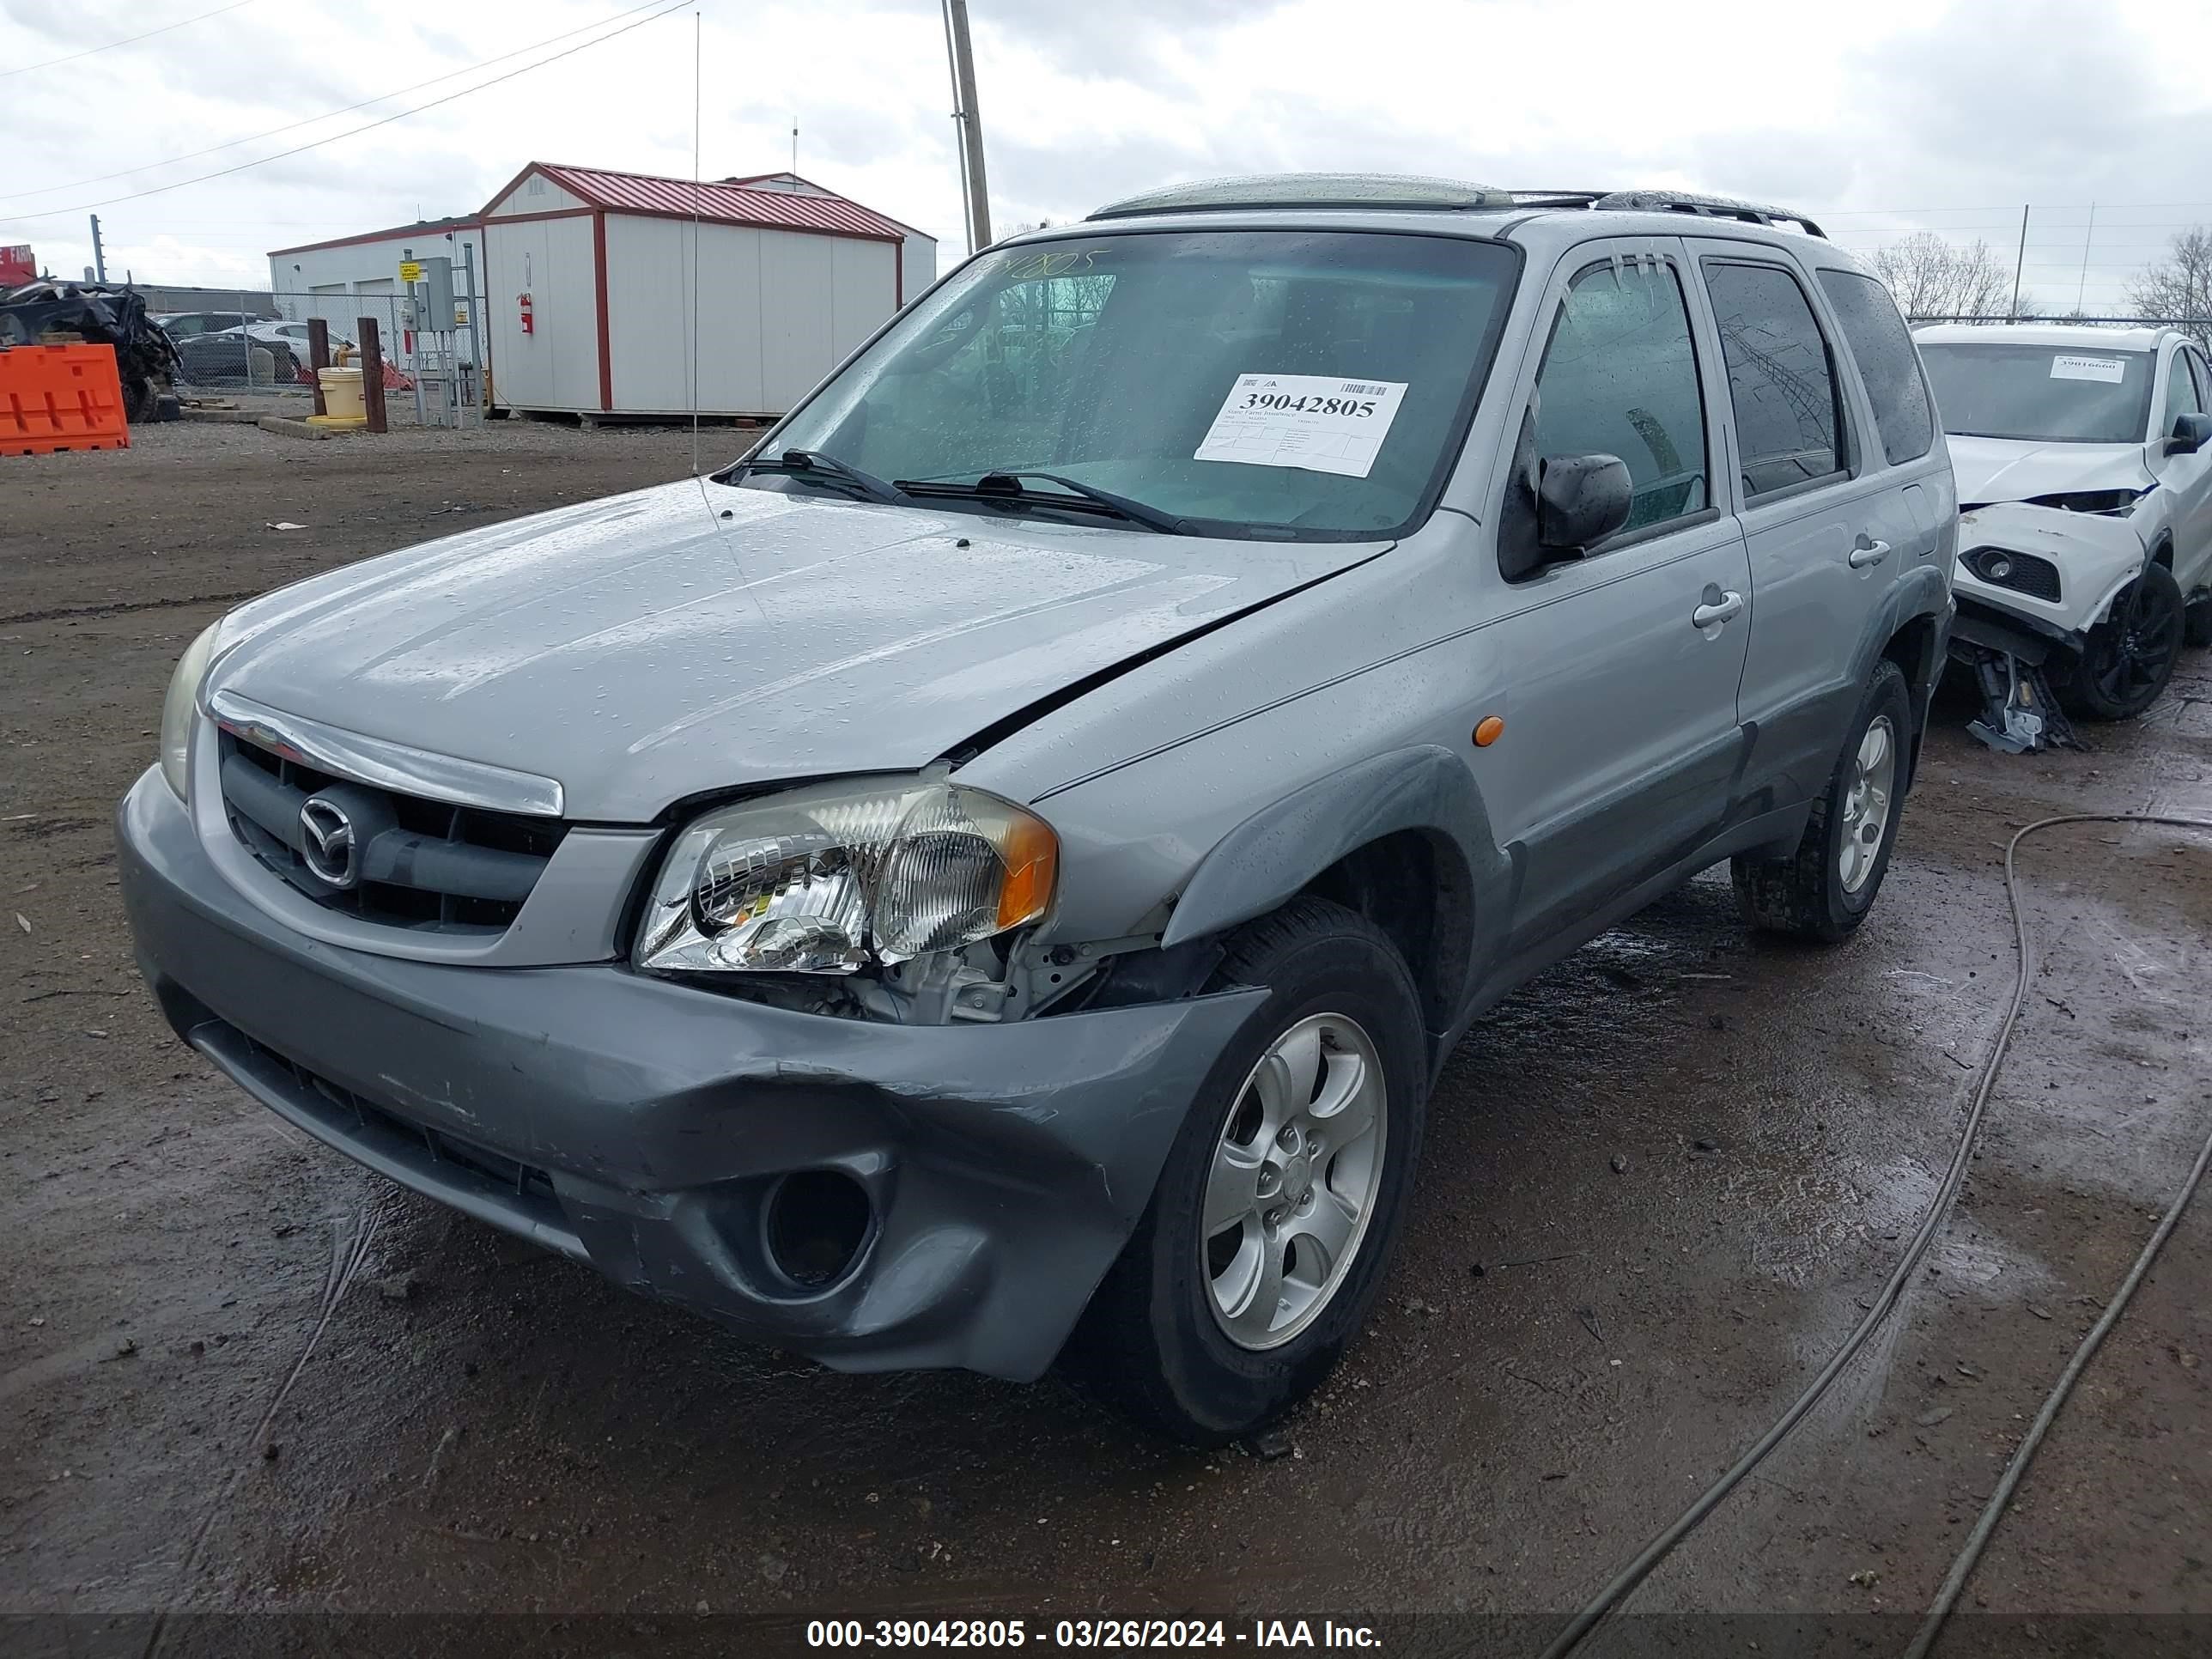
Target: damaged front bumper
(2031, 582)
(665, 1135)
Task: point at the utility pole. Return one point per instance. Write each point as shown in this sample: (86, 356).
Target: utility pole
(971, 124)
(2019, 262)
(99, 254)
(2088, 237)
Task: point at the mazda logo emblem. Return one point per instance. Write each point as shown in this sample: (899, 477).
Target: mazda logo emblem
(327, 842)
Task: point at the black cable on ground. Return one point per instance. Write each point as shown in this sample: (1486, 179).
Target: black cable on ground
(1624, 1583)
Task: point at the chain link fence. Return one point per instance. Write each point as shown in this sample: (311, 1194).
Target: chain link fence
(259, 345)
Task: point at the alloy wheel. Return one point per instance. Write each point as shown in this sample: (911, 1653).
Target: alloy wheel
(2141, 647)
(1296, 1174)
(1867, 802)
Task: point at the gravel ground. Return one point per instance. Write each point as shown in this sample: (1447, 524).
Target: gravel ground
(255, 1392)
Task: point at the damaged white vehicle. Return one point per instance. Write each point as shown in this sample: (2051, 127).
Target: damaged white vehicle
(2085, 489)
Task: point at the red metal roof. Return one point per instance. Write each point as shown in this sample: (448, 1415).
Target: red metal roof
(719, 202)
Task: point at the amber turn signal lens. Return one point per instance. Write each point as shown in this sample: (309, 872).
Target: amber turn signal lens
(1032, 855)
(1488, 730)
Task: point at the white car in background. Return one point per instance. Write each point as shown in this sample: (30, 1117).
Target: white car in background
(2084, 462)
(294, 335)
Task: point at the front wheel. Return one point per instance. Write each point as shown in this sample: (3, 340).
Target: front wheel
(1824, 889)
(1276, 1212)
(2130, 655)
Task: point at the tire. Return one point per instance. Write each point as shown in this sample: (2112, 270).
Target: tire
(1814, 894)
(2197, 623)
(1157, 1339)
(2129, 656)
(140, 401)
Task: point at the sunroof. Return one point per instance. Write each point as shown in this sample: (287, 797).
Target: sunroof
(1311, 190)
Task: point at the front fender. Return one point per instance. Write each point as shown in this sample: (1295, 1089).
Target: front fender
(1279, 849)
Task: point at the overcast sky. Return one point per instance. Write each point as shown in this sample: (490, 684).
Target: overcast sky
(1877, 117)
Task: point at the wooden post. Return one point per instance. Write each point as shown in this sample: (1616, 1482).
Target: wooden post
(372, 374)
(319, 357)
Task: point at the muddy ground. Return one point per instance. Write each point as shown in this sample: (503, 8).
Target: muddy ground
(244, 1385)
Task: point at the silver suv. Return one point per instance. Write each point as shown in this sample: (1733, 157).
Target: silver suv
(996, 871)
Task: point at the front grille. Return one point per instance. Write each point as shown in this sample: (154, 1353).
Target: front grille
(2023, 573)
(426, 865)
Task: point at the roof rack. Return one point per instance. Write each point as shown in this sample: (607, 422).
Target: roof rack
(1710, 207)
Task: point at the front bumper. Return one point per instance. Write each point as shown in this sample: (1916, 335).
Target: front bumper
(641, 1125)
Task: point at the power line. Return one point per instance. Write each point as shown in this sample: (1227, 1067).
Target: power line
(327, 115)
(352, 132)
(127, 41)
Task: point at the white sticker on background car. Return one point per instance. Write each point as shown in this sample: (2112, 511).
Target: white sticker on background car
(1317, 421)
(2110, 370)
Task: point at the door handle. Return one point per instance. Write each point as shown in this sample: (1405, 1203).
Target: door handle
(1867, 553)
(1728, 605)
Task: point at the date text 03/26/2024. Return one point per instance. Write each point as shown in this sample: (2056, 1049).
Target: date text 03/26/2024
(1124, 1634)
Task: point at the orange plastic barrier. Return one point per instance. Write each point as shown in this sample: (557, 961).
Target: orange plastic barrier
(60, 397)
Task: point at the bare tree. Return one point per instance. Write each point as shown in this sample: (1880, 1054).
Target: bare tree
(1933, 278)
(2179, 285)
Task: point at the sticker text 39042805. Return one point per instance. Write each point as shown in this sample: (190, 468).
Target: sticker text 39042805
(1317, 421)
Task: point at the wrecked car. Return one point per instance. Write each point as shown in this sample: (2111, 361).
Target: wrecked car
(2085, 484)
(145, 358)
(993, 871)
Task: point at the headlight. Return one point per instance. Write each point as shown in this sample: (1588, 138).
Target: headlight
(177, 710)
(824, 881)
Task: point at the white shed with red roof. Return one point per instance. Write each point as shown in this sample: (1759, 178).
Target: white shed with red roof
(595, 278)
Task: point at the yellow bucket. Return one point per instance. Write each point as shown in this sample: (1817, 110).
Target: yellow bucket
(341, 393)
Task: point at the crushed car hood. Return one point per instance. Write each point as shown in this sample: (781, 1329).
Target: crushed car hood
(2015, 469)
(646, 647)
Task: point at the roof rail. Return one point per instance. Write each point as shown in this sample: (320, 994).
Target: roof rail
(1711, 207)
(1311, 190)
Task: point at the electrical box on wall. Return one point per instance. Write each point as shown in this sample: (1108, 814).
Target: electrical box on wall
(437, 292)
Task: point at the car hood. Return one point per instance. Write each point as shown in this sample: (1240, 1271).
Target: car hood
(2016, 469)
(697, 636)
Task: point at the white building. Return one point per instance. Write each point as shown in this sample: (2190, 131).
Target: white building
(351, 277)
(591, 277)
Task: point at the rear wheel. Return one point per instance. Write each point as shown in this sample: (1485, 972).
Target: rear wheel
(2197, 623)
(1275, 1214)
(2130, 655)
(1824, 889)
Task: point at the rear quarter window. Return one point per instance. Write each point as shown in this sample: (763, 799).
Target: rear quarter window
(1882, 345)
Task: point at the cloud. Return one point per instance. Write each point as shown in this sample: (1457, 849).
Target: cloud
(1916, 105)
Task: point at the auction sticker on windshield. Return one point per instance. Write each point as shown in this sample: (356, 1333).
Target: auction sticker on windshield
(2111, 370)
(1314, 421)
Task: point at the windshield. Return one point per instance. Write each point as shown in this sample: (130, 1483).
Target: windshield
(1292, 384)
(2052, 394)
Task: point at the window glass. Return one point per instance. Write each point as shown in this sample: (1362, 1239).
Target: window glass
(1882, 347)
(2181, 396)
(1286, 384)
(2049, 394)
(2203, 384)
(1620, 377)
(1787, 419)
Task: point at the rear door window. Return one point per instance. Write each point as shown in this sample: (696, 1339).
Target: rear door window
(1882, 347)
(1620, 377)
(1789, 420)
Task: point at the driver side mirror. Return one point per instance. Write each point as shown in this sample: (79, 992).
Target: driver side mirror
(1581, 499)
(2191, 433)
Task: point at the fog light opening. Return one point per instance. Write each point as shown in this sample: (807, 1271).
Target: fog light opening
(814, 1226)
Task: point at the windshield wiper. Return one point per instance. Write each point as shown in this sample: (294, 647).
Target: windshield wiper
(1007, 486)
(814, 467)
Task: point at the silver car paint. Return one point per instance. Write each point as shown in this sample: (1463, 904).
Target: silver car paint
(699, 636)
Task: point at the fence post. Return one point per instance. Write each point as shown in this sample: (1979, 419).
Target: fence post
(319, 357)
(372, 374)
